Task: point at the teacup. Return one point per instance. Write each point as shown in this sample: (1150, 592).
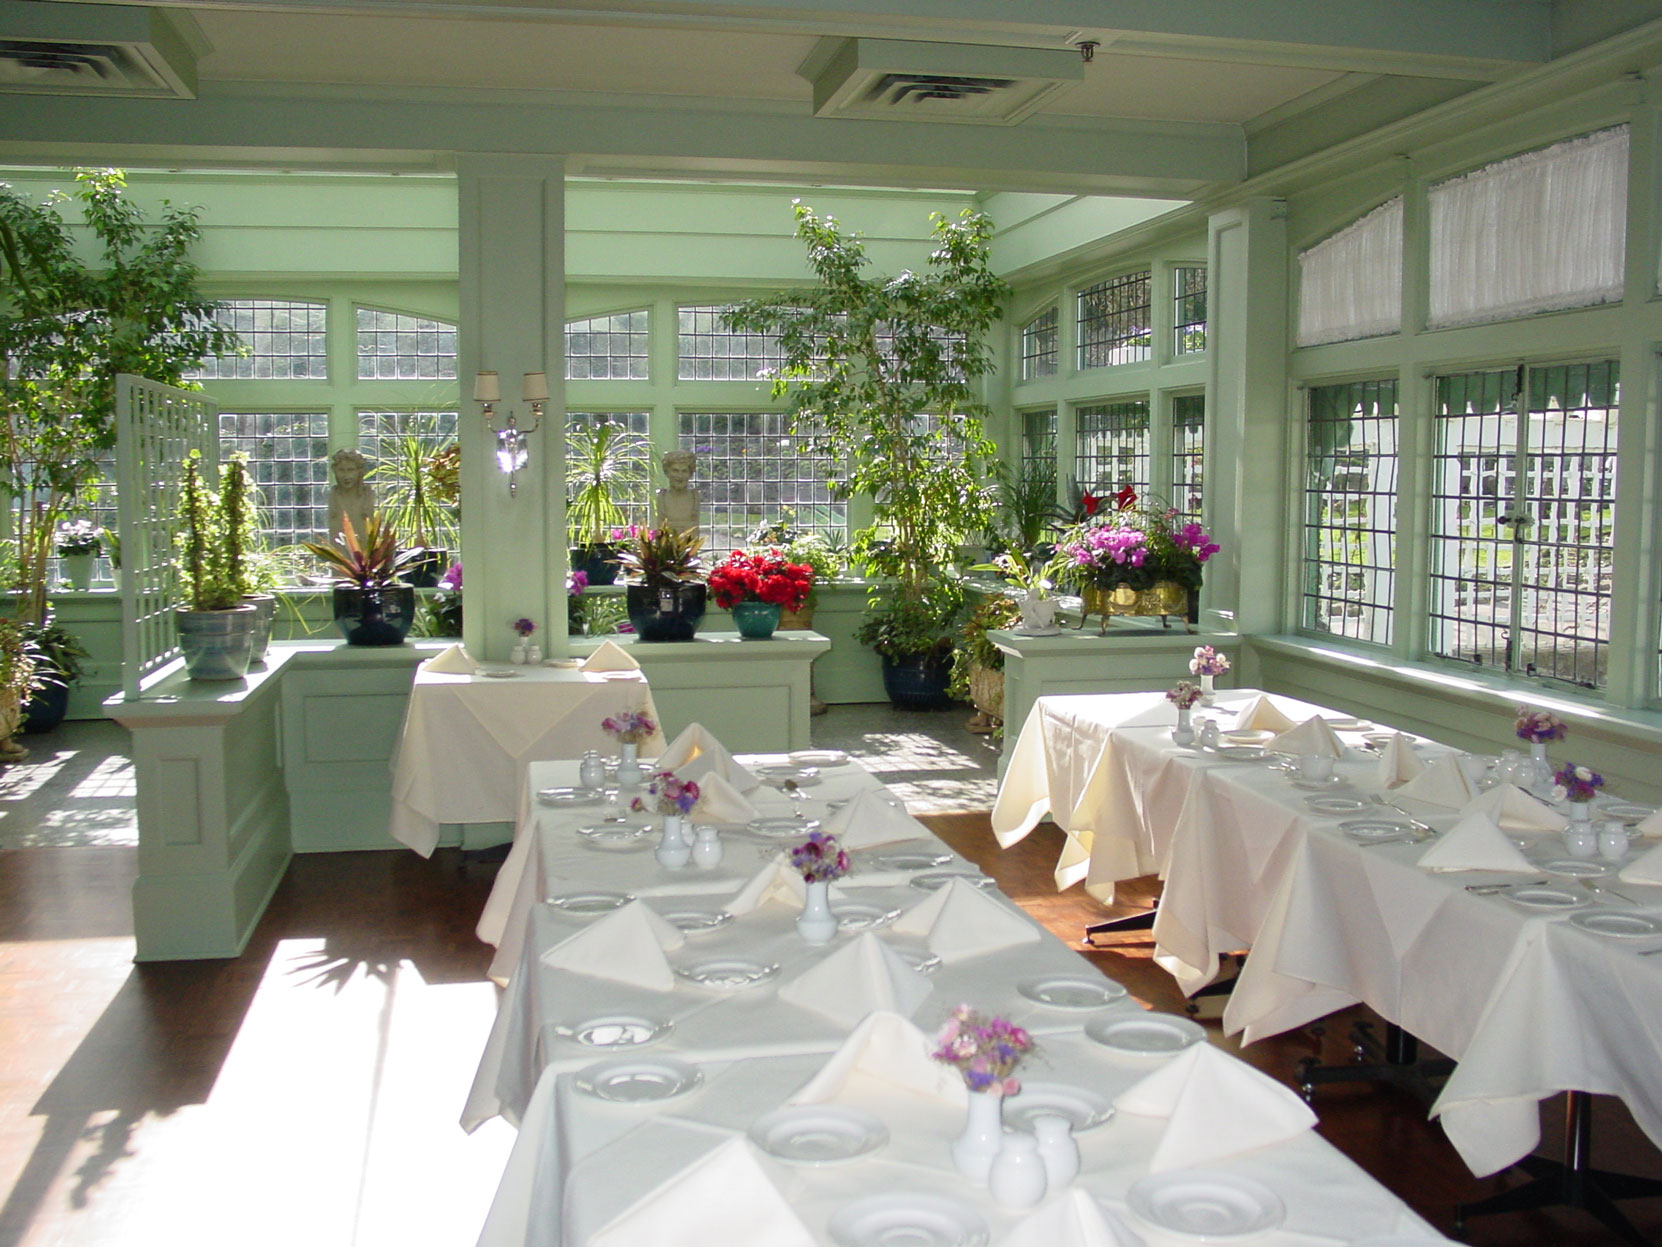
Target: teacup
(1317, 768)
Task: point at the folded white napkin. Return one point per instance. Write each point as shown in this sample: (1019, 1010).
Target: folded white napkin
(1515, 810)
(861, 976)
(1444, 782)
(1263, 715)
(1650, 824)
(1218, 1107)
(627, 945)
(696, 753)
(961, 921)
(610, 656)
(1476, 842)
(723, 1197)
(871, 818)
(1075, 1219)
(1314, 736)
(1646, 868)
(889, 1047)
(777, 881)
(1398, 763)
(452, 660)
(720, 802)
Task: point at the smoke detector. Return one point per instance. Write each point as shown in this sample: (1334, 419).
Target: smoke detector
(97, 49)
(898, 80)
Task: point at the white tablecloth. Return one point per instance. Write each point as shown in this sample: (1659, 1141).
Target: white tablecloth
(466, 740)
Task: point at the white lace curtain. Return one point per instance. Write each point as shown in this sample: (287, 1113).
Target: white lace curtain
(1350, 285)
(1536, 233)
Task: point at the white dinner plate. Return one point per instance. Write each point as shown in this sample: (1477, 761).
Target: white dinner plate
(617, 1030)
(1082, 1107)
(1336, 804)
(638, 1080)
(1373, 830)
(1349, 725)
(909, 861)
(728, 974)
(907, 1220)
(615, 837)
(1623, 924)
(937, 879)
(1151, 1034)
(590, 904)
(861, 916)
(1544, 896)
(782, 828)
(558, 797)
(819, 757)
(1210, 1207)
(1320, 785)
(697, 921)
(619, 675)
(1062, 991)
(818, 1134)
(1577, 867)
(1626, 811)
(780, 773)
(565, 664)
(501, 673)
(1238, 753)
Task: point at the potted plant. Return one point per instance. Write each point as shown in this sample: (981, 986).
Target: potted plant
(812, 550)
(17, 675)
(1027, 515)
(78, 543)
(1133, 559)
(216, 627)
(604, 462)
(665, 592)
(417, 485)
(58, 656)
(259, 569)
(444, 608)
(978, 664)
(372, 606)
(757, 587)
(1034, 578)
(883, 378)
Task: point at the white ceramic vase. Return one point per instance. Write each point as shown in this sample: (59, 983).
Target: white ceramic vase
(1017, 1179)
(1184, 732)
(630, 773)
(1207, 692)
(1540, 782)
(672, 852)
(974, 1151)
(816, 923)
(1038, 615)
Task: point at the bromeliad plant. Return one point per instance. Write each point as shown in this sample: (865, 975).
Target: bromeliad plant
(654, 556)
(370, 562)
(984, 1048)
(764, 576)
(671, 793)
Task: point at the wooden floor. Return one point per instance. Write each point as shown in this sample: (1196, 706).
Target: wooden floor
(307, 1092)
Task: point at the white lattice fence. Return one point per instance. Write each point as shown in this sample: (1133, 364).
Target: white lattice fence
(156, 429)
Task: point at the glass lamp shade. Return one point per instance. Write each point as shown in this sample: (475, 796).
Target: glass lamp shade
(513, 451)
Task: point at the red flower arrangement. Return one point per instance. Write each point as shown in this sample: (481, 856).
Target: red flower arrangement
(763, 576)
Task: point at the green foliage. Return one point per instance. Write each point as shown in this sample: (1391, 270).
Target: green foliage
(899, 627)
(1027, 511)
(17, 663)
(371, 562)
(412, 487)
(58, 653)
(604, 462)
(974, 649)
(206, 579)
(883, 378)
(69, 328)
(654, 555)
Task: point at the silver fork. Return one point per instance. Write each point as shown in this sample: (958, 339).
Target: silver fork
(1598, 889)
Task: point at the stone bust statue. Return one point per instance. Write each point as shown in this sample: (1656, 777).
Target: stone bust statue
(352, 497)
(678, 505)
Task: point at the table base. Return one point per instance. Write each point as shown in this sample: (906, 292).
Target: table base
(1571, 1182)
(1397, 1062)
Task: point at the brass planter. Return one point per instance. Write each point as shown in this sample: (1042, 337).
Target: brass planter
(1165, 598)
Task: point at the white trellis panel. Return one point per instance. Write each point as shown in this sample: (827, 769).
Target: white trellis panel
(157, 427)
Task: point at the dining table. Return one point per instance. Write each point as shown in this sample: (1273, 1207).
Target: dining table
(1525, 979)
(468, 736)
(674, 1112)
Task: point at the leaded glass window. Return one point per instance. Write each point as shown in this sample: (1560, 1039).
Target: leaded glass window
(1350, 504)
(396, 347)
(609, 348)
(1189, 309)
(1039, 339)
(1114, 318)
(1111, 446)
(751, 468)
(288, 455)
(709, 351)
(1188, 443)
(287, 340)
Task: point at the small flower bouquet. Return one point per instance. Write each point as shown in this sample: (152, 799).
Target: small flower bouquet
(763, 576)
(629, 728)
(1577, 784)
(524, 627)
(1207, 661)
(984, 1049)
(79, 537)
(819, 859)
(1539, 726)
(673, 794)
(1183, 694)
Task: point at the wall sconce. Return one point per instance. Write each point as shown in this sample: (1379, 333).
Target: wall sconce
(513, 445)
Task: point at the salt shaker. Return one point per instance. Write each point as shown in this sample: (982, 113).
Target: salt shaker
(706, 849)
(1209, 736)
(533, 655)
(1613, 841)
(1017, 1179)
(1057, 1149)
(591, 771)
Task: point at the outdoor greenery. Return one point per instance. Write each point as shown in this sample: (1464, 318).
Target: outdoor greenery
(418, 487)
(882, 376)
(215, 530)
(604, 462)
(67, 327)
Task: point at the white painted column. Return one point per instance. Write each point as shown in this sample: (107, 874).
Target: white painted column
(1247, 420)
(512, 284)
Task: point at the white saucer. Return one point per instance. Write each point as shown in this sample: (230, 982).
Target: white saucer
(909, 861)
(861, 916)
(638, 1080)
(1210, 1206)
(1621, 924)
(697, 921)
(617, 1031)
(907, 1220)
(818, 1134)
(1082, 1107)
(1544, 896)
(1374, 830)
(559, 797)
(782, 828)
(1150, 1034)
(501, 673)
(728, 974)
(1577, 867)
(590, 904)
(1071, 992)
(819, 757)
(1336, 804)
(940, 878)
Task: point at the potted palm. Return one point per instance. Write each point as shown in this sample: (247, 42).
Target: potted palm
(604, 462)
(371, 605)
(216, 627)
(666, 590)
(417, 486)
(883, 377)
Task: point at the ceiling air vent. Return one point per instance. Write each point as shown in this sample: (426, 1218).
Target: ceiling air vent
(97, 49)
(895, 80)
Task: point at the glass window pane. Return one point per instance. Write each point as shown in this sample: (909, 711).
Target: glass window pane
(396, 347)
(1113, 320)
(1111, 447)
(1039, 339)
(285, 339)
(752, 469)
(609, 348)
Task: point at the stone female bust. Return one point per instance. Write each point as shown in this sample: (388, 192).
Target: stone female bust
(352, 497)
(678, 505)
